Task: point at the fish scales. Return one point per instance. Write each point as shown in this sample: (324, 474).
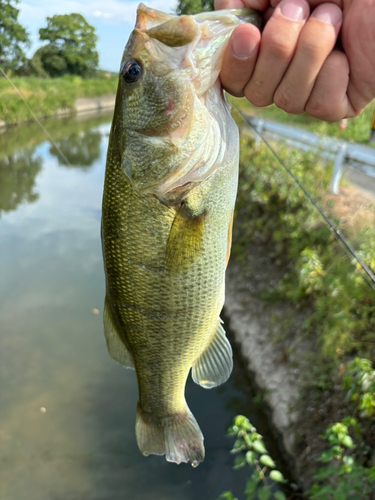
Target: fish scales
(160, 302)
(166, 225)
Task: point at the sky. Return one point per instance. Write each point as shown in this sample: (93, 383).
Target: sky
(113, 21)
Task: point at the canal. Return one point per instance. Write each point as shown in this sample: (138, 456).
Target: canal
(67, 410)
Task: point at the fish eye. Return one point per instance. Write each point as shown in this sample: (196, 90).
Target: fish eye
(132, 71)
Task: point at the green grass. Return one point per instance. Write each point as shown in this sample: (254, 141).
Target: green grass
(272, 212)
(357, 130)
(46, 96)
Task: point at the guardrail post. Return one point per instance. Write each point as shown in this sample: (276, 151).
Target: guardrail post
(337, 169)
(258, 128)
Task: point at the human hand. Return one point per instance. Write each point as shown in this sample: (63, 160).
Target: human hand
(295, 64)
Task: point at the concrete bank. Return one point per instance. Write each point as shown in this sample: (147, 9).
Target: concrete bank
(276, 369)
(90, 104)
(81, 106)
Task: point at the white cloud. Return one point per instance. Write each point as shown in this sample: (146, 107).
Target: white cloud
(99, 13)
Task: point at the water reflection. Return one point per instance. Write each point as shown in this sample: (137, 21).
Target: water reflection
(17, 179)
(81, 149)
(31, 135)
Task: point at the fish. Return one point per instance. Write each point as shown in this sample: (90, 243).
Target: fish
(169, 192)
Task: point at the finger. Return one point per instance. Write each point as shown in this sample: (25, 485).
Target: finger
(239, 4)
(312, 3)
(279, 41)
(240, 58)
(228, 4)
(328, 100)
(315, 43)
(267, 15)
(358, 40)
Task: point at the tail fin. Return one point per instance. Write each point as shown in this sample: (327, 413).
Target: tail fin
(177, 436)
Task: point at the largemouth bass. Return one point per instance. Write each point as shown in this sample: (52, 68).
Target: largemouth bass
(169, 193)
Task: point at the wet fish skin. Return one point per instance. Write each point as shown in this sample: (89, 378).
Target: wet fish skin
(169, 192)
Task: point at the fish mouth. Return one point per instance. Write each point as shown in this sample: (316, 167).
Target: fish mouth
(202, 38)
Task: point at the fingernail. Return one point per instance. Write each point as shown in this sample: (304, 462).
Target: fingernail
(328, 13)
(243, 45)
(294, 10)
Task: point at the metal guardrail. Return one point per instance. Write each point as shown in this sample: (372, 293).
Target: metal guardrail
(354, 156)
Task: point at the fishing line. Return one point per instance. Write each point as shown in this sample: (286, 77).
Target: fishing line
(36, 119)
(369, 275)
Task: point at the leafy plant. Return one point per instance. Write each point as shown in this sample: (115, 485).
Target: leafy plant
(13, 36)
(342, 477)
(194, 6)
(250, 450)
(359, 381)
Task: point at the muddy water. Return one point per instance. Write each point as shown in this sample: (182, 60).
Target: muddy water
(67, 410)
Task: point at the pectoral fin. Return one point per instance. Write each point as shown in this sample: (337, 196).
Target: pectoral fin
(116, 347)
(215, 364)
(185, 242)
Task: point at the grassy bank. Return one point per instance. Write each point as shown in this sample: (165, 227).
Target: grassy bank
(317, 274)
(46, 96)
(333, 308)
(357, 129)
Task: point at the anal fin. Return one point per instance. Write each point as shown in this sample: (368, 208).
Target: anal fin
(215, 365)
(116, 347)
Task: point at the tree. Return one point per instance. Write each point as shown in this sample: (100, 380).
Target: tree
(71, 48)
(194, 6)
(12, 36)
(47, 61)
